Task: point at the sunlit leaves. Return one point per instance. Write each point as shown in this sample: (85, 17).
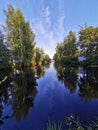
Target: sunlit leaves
(19, 35)
(66, 51)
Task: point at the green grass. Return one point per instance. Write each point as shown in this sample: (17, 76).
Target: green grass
(92, 125)
(54, 126)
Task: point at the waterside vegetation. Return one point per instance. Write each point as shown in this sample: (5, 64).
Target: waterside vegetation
(17, 44)
(72, 122)
(19, 53)
(69, 51)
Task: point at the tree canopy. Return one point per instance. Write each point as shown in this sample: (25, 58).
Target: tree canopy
(66, 51)
(19, 36)
(89, 43)
(21, 39)
(86, 45)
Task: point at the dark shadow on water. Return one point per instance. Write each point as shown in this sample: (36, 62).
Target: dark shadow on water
(85, 79)
(18, 88)
(68, 76)
(23, 92)
(88, 84)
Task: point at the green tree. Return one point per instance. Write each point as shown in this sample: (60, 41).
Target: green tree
(69, 47)
(66, 51)
(39, 56)
(19, 36)
(47, 60)
(88, 37)
(4, 53)
(58, 55)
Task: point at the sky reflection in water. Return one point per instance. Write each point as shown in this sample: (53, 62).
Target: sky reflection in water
(34, 102)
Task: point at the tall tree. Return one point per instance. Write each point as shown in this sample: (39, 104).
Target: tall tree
(69, 46)
(19, 36)
(39, 56)
(59, 50)
(89, 42)
(66, 51)
(47, 59)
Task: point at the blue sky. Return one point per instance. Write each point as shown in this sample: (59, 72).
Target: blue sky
(51, 20)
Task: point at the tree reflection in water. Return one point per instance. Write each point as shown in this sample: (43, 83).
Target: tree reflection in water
(86, 80)
(88, 84)
(23, 92)
(19, 90)
(40, 71)
(68, 76)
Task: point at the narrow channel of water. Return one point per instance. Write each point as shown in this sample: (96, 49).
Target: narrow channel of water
(31, 102)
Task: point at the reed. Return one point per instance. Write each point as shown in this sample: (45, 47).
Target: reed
(73, 123)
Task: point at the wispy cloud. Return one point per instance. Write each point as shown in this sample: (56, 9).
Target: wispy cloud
(48, 39)
(60, 31)
(48, 33)
(44, 38)
(47, 16)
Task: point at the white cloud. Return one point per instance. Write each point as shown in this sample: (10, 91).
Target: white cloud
(47, 16)
(44, 38)
(60, 29)
(48, 34)
(48, 39)
(47, 12)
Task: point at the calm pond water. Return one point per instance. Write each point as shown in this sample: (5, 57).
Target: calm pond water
(29, 98)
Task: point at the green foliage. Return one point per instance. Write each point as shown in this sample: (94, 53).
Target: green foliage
(19, 36)
(39, 56)
(69, 50)
(47, 60)
(89, 43)
(66, 51)
(87, 46)
(21, 40)
(58, 55)
(88, 35)
(73, 123)
(4, 54)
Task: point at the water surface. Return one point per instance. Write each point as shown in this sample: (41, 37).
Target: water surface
(30, 99)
